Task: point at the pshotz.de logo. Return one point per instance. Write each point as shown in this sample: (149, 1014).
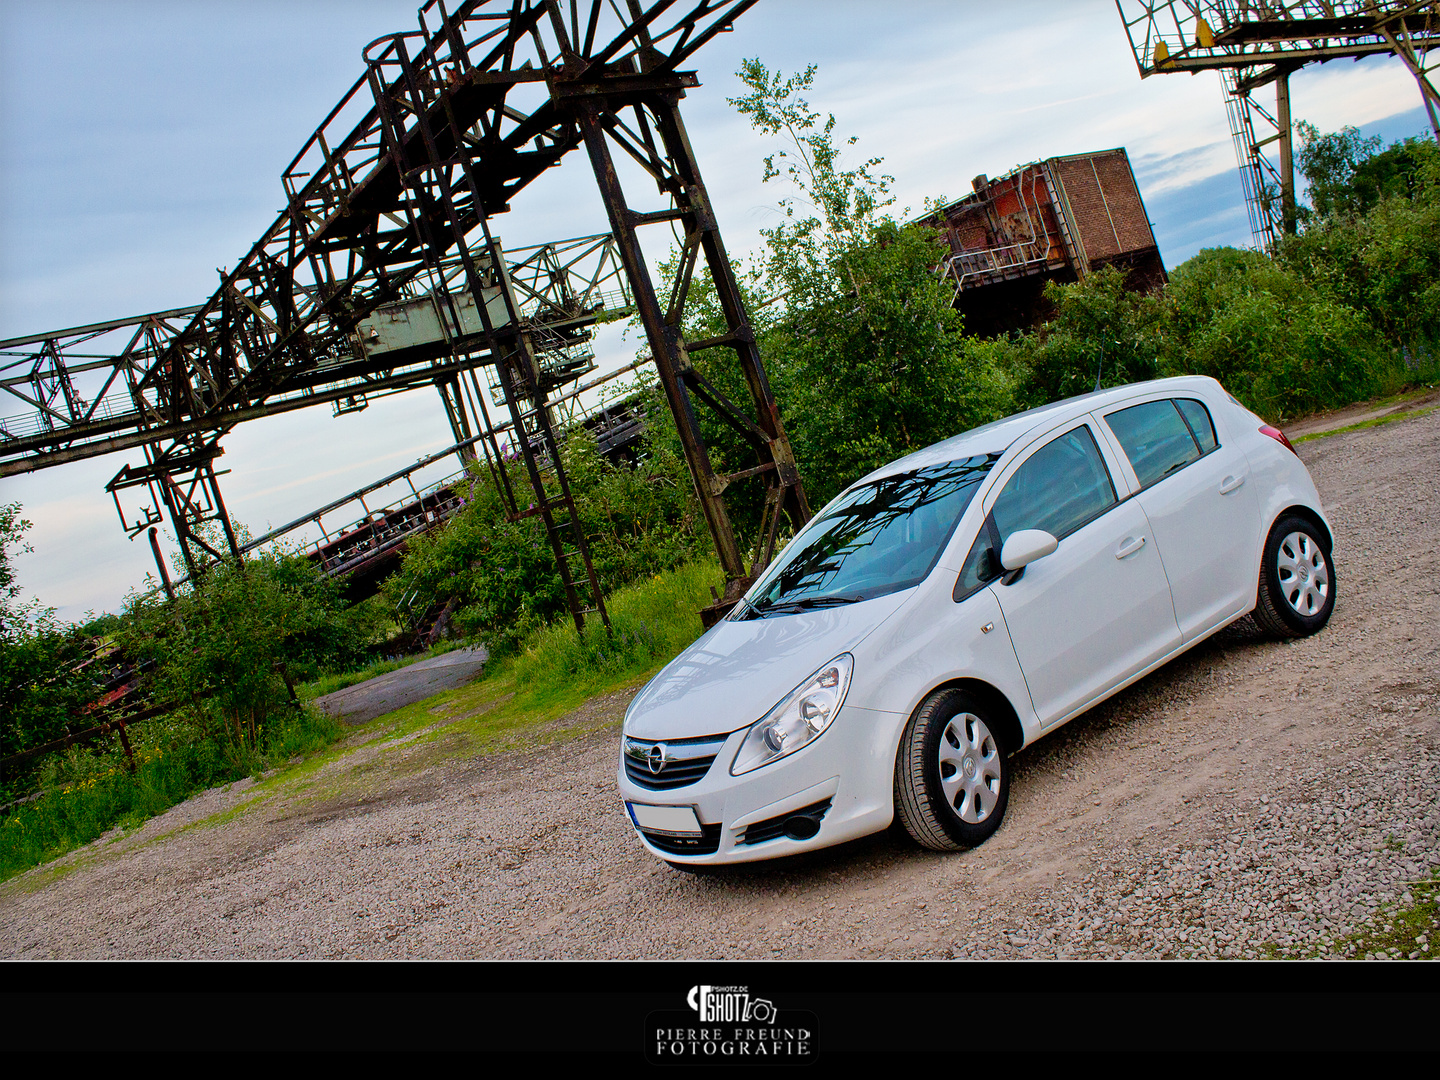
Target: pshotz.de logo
(726, 1024)
(722, 1004)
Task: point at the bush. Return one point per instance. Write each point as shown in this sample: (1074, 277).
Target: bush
(218, 645)
(1279, 344)
(1378, 249)
(501, 576)
(1100, 330)
(43, 687)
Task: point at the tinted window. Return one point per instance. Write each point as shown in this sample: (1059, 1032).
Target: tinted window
(980, 566)
(1156, 440)
(1062, 486)
(1201, 425)
(876, 539)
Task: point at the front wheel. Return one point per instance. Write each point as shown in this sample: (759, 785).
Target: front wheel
(951, 780)
(1297, 580)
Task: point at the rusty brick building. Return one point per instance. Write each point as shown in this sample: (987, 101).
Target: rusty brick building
(1053, 220)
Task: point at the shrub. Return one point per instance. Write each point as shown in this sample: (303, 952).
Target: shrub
(218, 645)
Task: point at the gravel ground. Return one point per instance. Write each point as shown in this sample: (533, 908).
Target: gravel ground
(1254, 798)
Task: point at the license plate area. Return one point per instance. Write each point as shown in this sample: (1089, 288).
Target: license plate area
(665, 820)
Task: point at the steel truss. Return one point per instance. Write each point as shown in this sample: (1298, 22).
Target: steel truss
(1258, 42)
(391, 199)
(82, 386)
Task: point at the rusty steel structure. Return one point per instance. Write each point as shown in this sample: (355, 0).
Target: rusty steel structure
(85, 385)
(1059, 219)
(378, 524)
(387, 221)
(1254, 43)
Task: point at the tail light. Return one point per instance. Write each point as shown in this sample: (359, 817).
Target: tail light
(1279, 436)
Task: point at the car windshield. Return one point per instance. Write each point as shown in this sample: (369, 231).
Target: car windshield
(879, 538)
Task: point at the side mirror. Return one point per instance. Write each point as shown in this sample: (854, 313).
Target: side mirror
(1023, 548)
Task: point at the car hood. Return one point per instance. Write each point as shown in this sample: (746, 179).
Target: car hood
(739, 671)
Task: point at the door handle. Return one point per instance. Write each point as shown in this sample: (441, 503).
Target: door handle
(1129, 547)
(1231, 483)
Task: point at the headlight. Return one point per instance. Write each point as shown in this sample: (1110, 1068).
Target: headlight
(798, 720)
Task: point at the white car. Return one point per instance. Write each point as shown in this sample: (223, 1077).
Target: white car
(958, 604)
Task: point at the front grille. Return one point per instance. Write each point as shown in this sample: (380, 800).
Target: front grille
(674, 775)
(685, 761)
(687, 845)
(774, 828)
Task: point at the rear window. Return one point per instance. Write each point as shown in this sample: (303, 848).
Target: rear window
(1156, 439)
(1201, 426)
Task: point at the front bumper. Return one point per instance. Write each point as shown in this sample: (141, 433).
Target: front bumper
(852, 766)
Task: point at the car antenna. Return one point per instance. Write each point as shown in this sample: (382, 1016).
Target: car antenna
(1100, 367)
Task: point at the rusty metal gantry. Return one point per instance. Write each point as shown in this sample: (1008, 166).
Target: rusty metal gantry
(1258, 42)
(82, 384)
(395, 192)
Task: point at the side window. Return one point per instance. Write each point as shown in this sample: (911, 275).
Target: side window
(1201, 426)
(1156, 439)
(1064, 485)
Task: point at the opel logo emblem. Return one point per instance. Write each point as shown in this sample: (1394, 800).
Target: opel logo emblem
(657, 758)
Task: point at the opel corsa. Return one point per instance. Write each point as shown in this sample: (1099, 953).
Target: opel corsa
(958, 604)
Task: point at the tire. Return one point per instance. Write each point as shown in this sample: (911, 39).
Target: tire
(944, 803)
(1296, 593)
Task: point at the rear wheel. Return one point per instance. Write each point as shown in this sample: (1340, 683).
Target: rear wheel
(951, 779)
(1297, 580)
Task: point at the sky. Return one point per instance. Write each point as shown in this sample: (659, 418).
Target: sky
(142, 142)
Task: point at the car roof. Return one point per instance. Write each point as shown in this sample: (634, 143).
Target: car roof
(997, 437)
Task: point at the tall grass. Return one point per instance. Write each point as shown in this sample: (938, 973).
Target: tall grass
(650, 622)
(75, 811)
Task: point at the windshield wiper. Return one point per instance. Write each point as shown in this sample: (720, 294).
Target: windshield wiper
(805, 604)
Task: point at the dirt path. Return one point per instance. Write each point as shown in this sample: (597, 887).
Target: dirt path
(395, 689)
(1253, 797)
(1357, 414)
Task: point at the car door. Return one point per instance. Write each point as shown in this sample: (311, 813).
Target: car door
(1095, 611)
(1195, 493)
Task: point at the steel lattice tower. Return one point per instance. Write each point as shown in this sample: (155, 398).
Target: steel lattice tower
(1258, 42)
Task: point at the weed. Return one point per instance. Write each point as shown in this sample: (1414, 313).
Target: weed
(93, 793)
(1397, 931)
(1375, 421)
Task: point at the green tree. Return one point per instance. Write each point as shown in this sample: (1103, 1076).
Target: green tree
(1347, 175)
(43, 687)
(1381, 255)
(829, 209)
(865, 352)
(218, 645)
